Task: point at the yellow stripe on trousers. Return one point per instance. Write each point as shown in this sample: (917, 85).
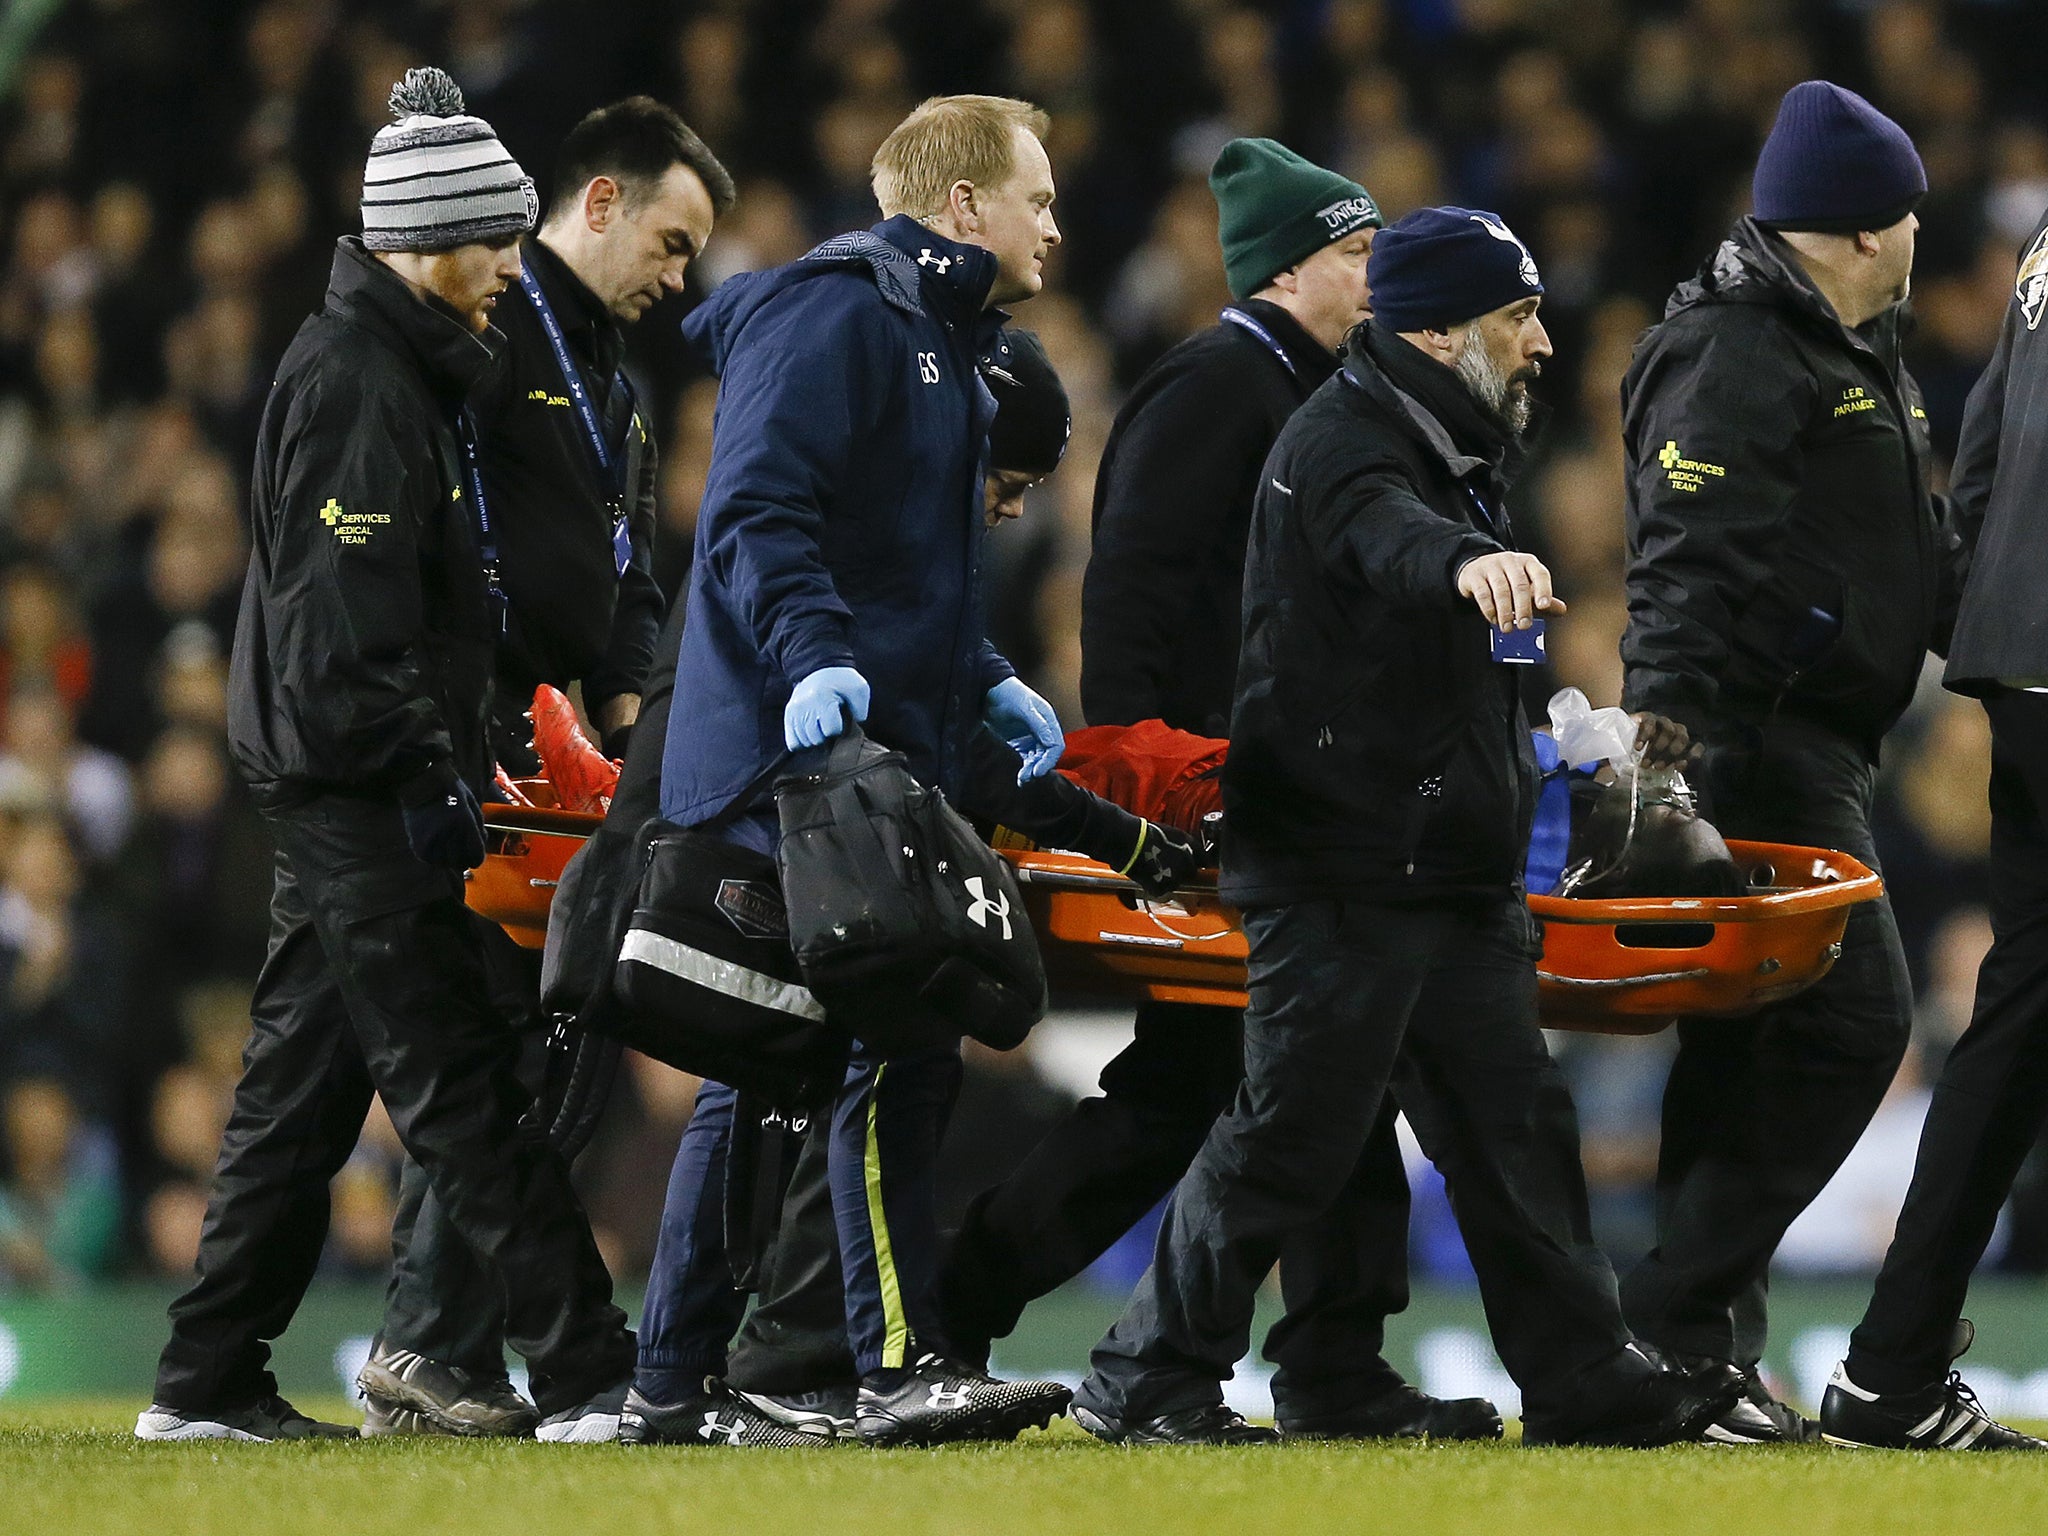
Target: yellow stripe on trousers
(896, 1335)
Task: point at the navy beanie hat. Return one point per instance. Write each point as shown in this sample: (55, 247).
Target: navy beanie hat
(1835, 164)
(1440, 267)
(1033, 418)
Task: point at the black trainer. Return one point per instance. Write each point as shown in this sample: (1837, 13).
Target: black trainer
(1211, 1424)
(827, 1413)
(1943, 1417)
(405, 1392)
(1657, 1408)
(594, 1421)
(271, 1419)
(1756, 1417)
(937, 1400)
(715, 1416)
(1404, 1413)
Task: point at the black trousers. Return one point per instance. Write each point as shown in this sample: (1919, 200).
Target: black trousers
(1760, 1112)
(375, 983)
(1082, 1188)
(1111, 1161)
(1992, 1098)
(441, 1300)
(1348, 999)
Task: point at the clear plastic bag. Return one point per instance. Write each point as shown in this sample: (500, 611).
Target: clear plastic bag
(1587, 736)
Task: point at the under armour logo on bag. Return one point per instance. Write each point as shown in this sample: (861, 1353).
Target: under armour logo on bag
(925, 258)
(714, 1430)
(983, 907)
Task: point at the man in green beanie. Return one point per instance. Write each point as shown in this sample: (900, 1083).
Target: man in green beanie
(1159, 637)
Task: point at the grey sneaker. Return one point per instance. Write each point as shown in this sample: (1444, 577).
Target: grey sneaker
(271, 1419)
(826, 1413)
(594, 1421)
(407, 1393)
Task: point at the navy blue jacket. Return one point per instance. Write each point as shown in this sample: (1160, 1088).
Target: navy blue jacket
(842, 516)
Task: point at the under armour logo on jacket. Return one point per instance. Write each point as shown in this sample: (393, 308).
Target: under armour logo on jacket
(983, 907)
(925, 258)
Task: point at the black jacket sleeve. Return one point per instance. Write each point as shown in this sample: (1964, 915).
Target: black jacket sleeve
(1163, 506)
(1703, 542)
(1362, 517)
(357, 490)
(1976, 465)
(1053, 811)
(636, 617)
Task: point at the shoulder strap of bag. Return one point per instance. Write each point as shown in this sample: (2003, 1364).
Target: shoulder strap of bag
(743, 802)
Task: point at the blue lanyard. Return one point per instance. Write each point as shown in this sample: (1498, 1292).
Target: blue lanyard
(487, 542)
(1238, 317)
(622, 542)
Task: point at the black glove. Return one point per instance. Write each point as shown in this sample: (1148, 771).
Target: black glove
(443, 822)
(1162, 860)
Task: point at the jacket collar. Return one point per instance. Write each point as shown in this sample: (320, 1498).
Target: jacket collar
(1432, 401)
(450, 356)
(587, 325)
(1310, 361)
(1755, 266)
(953, 279)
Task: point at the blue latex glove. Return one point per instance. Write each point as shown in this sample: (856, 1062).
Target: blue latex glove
(1027, 723)
(813, 712)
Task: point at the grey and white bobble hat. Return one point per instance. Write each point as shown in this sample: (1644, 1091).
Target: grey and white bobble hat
(437, 177)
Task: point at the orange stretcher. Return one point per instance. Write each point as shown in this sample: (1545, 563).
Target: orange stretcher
(1623, 967)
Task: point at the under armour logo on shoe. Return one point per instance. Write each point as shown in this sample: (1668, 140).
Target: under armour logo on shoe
(983, 907)
(714, 1430)
(925, 258)
(948, 1398)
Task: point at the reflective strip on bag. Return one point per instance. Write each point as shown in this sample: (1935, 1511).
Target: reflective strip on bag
(708, 971)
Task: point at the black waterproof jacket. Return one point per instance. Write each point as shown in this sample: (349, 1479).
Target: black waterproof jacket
(1999, 498)
(1160, 604)
(573, 615)
(1377, 752)
(1786, 557)
(363, 651)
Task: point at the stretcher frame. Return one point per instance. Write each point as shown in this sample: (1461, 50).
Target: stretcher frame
(1627, 967)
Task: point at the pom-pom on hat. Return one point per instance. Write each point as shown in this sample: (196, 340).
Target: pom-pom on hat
(1835, 164)
(437, 177)
(1440, 267)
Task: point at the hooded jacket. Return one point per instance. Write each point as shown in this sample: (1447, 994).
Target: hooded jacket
(1785, 555)
(842, 516)
(363, 651)
(1377, 751)
(1160, 605)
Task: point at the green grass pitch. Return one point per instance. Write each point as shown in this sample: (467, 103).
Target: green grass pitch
(72, 1467)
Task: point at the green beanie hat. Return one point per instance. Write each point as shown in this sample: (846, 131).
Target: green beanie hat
(1278, 208)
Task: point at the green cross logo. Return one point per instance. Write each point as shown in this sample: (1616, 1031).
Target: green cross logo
(1669, 456)
(331, 513)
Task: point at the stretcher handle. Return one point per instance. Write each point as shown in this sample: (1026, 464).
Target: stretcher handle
(538, 818)
(1619, 983)
(1080, 880)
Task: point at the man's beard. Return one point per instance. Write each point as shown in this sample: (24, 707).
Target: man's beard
(1503, 393)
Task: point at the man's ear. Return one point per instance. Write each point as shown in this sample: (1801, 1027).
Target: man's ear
(600, 202)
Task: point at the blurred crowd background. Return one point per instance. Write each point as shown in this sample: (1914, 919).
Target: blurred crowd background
(173, 174)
